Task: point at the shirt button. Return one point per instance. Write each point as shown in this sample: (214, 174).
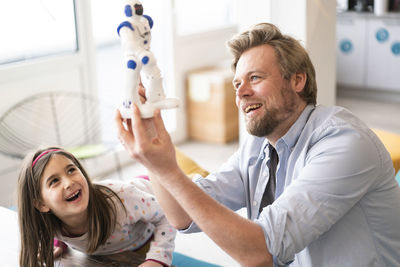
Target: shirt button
(254, 203)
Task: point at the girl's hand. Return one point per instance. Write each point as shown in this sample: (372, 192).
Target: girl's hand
(150, 264)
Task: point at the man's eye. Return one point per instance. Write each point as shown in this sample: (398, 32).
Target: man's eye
(254, 78)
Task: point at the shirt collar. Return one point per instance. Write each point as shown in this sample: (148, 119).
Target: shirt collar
(291, 137)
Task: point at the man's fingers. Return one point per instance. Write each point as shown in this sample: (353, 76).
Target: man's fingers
(138, 127)
(142, 93)
(121, 131)
(159, 124)
(129, 125)
(119, 122)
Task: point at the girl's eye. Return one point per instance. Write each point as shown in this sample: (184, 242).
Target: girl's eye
(71, 170)
(53, 181)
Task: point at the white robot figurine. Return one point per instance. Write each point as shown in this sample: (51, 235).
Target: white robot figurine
(135, 38)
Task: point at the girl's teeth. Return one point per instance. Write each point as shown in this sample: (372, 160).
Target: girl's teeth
(74, 195)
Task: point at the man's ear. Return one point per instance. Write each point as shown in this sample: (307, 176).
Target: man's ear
(298, 81)
(40, 206)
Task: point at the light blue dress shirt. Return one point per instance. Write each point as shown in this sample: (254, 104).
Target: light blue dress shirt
(337, 202)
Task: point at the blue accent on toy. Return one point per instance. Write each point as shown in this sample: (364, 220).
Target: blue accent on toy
(382, 35)
(398, 177)
(131, 64)
(396, 49)
(346, 46)
(181, 260)
(128, 11)
(125, 24)
(145, 42)
(145, 60)
(150, 20)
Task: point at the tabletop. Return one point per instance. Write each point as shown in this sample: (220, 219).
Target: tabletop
(9, 249)
(72, 258)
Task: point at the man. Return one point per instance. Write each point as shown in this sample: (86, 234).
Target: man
(317, 183)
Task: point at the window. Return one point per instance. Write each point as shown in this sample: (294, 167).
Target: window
(36, 28)
(193, 16)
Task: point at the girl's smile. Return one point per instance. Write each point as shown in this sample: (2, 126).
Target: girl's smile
(74, 196)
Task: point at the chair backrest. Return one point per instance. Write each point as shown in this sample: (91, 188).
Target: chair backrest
(65, 119)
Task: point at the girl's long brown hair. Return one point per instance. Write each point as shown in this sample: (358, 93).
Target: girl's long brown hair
(37, 229)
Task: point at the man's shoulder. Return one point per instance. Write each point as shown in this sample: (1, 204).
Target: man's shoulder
(327, 112)
(336, 124)
(334, 116)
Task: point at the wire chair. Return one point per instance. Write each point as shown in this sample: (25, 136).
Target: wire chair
(73, 121)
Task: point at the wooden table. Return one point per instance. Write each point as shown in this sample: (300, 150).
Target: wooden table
(74, 258)
(9, 249)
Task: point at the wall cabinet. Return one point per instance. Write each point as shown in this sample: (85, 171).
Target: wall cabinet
(368, 51)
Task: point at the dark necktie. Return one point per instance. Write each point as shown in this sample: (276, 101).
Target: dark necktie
(269, 193)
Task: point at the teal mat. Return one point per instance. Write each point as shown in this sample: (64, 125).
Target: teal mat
(180, 260)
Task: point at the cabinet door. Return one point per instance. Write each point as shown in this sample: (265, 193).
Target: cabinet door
(350, 38)
(383, 64)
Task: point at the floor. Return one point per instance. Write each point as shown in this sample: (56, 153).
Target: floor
(381, 113)
(376, 109)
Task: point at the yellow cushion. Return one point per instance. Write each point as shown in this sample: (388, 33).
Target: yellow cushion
(392, 144)
(189, 166)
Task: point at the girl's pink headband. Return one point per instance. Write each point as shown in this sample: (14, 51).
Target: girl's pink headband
(44, 153)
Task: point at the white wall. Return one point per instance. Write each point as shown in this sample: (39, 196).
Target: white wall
(321, 44)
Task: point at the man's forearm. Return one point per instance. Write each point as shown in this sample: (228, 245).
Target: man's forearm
(175, 214)
(240, 238)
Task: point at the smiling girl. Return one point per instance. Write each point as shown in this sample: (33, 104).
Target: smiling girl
(57, 200)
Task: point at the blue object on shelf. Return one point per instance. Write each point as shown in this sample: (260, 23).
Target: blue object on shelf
(396, 48)
(346, 46)
(382, 35)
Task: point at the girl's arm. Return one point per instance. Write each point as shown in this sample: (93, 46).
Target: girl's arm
(147, 209)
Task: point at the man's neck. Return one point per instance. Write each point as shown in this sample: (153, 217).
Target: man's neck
(284, 127)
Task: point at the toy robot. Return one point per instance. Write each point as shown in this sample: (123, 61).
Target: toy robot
(135, 38)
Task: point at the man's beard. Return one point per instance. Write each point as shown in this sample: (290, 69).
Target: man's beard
(273, 115)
